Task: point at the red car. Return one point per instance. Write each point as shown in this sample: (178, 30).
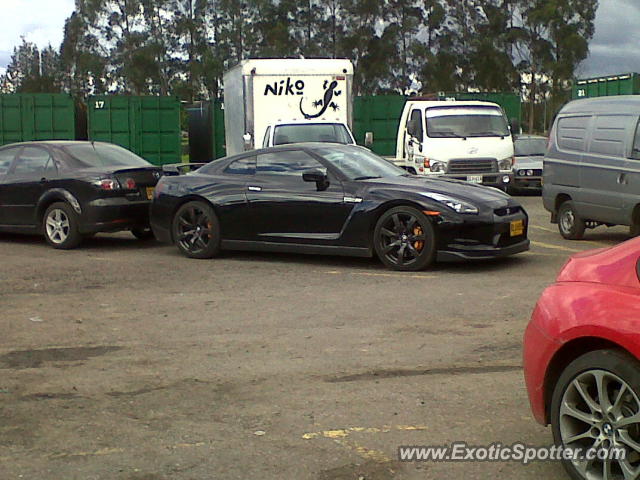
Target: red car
(581, 351)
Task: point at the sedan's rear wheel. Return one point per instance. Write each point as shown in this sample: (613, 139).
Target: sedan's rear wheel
(60, 226)
(596, 405)
(196, 230)
(404, 239)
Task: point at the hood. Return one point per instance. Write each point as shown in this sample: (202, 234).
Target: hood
(612, 266)
(532, 162)
(473, 193)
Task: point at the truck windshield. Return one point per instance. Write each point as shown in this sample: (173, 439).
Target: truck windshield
(530, 147)
(359, 164)
(88, 155)
(311, 132)
(463, 122)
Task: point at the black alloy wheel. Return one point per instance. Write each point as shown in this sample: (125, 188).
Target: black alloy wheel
(404, 239)
(196, 230)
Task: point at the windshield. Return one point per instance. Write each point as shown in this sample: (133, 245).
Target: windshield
(359, 164)
(530, 147)
(311, 132)
(88, 155)
(463, 122)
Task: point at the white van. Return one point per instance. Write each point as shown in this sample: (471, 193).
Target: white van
(465, 140)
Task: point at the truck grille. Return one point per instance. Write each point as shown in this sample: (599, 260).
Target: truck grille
(472, 165)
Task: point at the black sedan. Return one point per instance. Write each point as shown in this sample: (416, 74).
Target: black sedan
(68, 190)
(334, 199)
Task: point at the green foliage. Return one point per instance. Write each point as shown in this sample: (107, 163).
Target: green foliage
(183, 47)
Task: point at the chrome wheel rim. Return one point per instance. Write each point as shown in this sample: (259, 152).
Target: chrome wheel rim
(567, 220)
(402, 239)
(194, 229)
(601, 411)
(57, 225)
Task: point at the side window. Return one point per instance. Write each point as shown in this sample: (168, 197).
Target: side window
(290, 163)
(609, 135)
(265, 142)
(635, 152)
(32, 161)
(6, 159)
(242, 166)
(572, 132)
(414, 126)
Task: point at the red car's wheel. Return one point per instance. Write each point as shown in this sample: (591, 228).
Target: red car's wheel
(596, 405)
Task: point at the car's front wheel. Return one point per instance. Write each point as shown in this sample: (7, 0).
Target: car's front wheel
(196, 230)
(60, 226)
(404, 239)
(595, 407)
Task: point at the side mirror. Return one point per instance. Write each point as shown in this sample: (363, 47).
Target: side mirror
(317, 176)
(247, 141)
(368, 139)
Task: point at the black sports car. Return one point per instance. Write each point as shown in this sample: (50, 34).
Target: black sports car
(66, 190)
(334, 199)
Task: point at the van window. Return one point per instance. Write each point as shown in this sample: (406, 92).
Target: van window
(265, 142)
(635, 152)
(572, 132)
(609, 133)
(463, 122)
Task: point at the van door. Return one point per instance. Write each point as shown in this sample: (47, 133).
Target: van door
(602, 172)
(631, 181)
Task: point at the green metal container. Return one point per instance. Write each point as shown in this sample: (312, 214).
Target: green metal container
(37, 116)
(624, 84)
(510, 102)
(379, 114)
(148, 126)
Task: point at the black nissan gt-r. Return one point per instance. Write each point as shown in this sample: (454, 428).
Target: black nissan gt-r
(334, 199)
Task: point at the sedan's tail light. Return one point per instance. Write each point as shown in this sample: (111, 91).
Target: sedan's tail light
(108, 184)
(129, 184)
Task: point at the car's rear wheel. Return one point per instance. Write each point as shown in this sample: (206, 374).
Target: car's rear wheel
(60, 226)
(196, 230)
(142, 233)
(570, 225)
(404, 239)
(596, 405)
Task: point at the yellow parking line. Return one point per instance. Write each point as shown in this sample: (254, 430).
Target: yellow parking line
(345, 432)
(364, 452)
(538, 227)
(555, 247)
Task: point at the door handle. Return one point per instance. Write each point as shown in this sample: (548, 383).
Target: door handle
(622, 179)
(253, 188)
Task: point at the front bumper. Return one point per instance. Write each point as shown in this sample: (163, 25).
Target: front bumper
(493, 179)
(484, 239)
(534, 182)
(113, 215)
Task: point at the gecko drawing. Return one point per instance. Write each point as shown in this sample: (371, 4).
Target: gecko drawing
(329, 93)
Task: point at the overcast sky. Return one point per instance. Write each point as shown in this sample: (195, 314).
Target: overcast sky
(615, 47)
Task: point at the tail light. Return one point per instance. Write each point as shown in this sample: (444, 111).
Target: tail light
(427, 163)
(513, 161)
(108, 184)
(130, 184)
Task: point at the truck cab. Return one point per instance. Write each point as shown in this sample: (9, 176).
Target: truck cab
(283, 133)
(465, 140)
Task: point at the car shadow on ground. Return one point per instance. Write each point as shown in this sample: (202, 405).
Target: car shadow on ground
(105, 242)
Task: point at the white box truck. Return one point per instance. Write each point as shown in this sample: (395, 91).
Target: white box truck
(464, 140)
(278, 101)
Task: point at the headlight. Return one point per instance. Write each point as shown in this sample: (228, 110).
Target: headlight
(453, 203)
(506, 163)
(438, 167)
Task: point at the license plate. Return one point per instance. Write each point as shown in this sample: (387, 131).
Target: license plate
(517, 228)
(150, 191)
(474, 178)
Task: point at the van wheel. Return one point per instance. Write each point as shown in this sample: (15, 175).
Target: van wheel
(571, 226)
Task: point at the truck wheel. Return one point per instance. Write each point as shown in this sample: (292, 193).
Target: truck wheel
(404, 239)
(570, 225)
